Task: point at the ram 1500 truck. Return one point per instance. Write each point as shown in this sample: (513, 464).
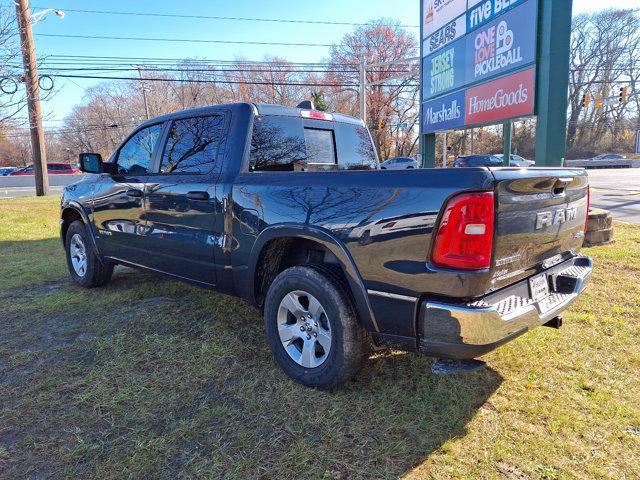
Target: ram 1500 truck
(287, 208)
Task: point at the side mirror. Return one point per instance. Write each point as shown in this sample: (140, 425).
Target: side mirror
(90, 162)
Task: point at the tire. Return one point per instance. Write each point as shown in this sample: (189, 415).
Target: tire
(78, 247)
(306, 358)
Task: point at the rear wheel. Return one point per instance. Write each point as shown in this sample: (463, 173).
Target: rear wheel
(312, 328)
(85, 267)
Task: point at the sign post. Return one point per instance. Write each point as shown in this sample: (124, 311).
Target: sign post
(487, 62)
(553, 81)
(428, 150)
(506, 143)
(638, 141)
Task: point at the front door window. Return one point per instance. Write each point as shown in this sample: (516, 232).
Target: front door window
(135, 155)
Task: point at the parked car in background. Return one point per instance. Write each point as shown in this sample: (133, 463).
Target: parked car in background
(399, 163)
(518, 161)
(52, 169)
(286, 208)
(478, 161)
(609, 156)
(4, 171)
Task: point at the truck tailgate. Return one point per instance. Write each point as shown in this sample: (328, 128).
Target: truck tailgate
(540, 219)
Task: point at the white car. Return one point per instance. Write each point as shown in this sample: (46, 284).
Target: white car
(518, 161)
(399, 163)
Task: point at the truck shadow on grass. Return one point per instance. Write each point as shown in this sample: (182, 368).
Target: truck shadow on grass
(152, 378)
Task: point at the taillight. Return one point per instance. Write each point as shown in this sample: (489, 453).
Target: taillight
(586, 222)
(464, 240)
(316, 115)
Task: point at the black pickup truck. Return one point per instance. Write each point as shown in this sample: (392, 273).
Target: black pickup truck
(287, 208)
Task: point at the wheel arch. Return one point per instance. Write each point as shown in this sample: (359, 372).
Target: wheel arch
(70, 212)
(277, 236)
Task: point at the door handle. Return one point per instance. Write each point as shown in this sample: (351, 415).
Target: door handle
(198, 195)
(134, 192)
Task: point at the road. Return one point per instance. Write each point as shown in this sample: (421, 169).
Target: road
(11, 192)
(617, 190)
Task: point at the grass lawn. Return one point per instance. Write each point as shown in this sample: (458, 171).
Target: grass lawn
(149, 378)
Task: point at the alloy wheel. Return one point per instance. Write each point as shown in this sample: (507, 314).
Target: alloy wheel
(78, 254)
(304, 329)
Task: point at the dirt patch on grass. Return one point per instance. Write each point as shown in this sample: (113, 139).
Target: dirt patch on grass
(34, 291)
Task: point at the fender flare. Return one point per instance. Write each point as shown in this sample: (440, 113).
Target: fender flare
(79, 209)
(331, 243)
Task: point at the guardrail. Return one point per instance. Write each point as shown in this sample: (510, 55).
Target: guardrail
(29, 180)
(621, 163)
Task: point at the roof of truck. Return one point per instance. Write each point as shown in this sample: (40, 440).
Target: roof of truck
(261, 108)
(270, 109)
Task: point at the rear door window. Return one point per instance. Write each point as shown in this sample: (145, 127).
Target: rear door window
(277, 144)
(192, 145)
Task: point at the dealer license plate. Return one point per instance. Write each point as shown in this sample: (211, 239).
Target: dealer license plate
(539, 287)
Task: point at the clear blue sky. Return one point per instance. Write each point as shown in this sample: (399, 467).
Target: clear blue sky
(76, 23)
(406, 11)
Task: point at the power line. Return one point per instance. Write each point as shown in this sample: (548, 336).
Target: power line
(146, 60)
(146, 68)
(223, 81)
(60, 131)
(238, 19)
(184, 40)
(214, 71)
(221, 68)
(190, 80)
(114, 61)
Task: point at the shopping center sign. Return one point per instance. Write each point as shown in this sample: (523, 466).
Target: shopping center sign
(478, 64)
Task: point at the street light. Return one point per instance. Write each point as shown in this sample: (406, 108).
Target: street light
(36, 17)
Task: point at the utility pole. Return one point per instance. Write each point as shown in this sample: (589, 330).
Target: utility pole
(363, 92)
(362, 88)
(144, 91)
(38, 145)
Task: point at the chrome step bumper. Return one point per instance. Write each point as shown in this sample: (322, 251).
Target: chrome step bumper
(465, 331)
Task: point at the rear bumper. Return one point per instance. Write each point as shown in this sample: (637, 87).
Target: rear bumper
(466, 331)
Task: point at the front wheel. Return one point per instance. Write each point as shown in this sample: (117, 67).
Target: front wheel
(312, 328)
(85, 267)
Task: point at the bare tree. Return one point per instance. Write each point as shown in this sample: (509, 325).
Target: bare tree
(605, 53)
(393, 102)
(12, 98)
